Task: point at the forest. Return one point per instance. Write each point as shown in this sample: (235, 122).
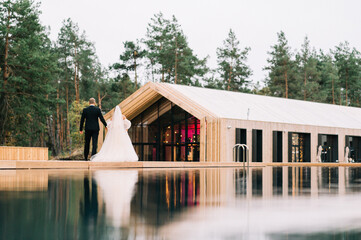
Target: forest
(45, 84)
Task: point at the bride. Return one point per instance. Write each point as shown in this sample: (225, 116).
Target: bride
(117, 146)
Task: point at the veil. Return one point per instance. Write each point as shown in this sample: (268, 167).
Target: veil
(117, 146)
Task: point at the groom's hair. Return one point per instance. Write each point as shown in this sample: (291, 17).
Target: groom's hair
(91, 101)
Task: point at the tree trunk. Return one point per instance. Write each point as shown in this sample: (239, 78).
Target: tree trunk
(67, 117)
(51, 135)
(57, 123)
(346, 85)
(3, 97)
(6, 52)
(152, 70)
(62, 128)
(100, 99)
(67, 105)
(42, 143)
(305, 82)
(135, 69)
(286, 83)
(333, 93)
(229, 78)
(176, 62)
(76, 85)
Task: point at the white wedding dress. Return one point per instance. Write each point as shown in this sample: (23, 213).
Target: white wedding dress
(117, 188)
(117, 146)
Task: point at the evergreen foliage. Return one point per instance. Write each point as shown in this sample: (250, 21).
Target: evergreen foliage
(170, 58)
(44, 85)
(129, 60)
(282, 69)
(28, 67)
(307, 72)
(232, 68)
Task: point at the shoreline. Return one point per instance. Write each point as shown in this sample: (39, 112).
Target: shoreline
(51, 164)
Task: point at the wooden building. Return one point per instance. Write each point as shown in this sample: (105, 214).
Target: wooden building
(182, 123)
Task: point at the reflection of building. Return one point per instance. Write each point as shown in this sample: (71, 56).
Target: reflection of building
(160, 195)
(23, 180)
(295, 181)
(182, 123)
(284, 205)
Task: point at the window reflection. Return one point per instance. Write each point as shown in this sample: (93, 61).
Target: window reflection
(299, 181)
(166, 132)
(329, 179)
(277, 180)
(170, 192)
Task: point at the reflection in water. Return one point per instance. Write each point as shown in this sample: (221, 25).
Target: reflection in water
(161, 195)
(23, 180)
(299, 181)
(89, 206)
(321, 218)
(117, 190)
(264, 203)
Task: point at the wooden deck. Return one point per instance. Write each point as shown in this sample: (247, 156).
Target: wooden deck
(33, 164)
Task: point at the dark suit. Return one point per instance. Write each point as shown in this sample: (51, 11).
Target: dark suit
(91, 115)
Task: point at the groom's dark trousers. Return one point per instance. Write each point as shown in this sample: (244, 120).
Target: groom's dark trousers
(90, 134)
(91, 115)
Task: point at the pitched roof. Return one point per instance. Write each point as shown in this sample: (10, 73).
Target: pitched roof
(236, 105)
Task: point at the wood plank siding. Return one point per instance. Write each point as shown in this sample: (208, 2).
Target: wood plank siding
(23, 153)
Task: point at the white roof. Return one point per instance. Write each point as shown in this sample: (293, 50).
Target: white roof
(236, 105)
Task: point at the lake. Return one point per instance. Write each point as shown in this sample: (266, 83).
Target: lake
(207, 203)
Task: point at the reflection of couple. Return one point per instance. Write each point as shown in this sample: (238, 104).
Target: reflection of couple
(117, 146)
(117, 190)
(113, 189)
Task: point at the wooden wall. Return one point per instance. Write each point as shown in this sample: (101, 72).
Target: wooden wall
(217, 135)
(152, 92)
(23, 153)
(228, 126)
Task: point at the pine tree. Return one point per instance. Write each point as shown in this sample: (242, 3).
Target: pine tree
(76, 51)
(232, 64)
(308, 73)
(281, 77)
(348, 63)
(129, 59)
(329, 80)
(169, 54)
(28, 67)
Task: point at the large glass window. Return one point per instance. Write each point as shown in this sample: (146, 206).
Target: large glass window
(353, 149)
(165, 132)
(299, 147)
(277, 146)
(328, 148)
(256, 145)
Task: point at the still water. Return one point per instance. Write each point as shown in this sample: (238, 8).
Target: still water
(217, 203)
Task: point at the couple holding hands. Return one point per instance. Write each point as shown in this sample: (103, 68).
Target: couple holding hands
(117, 146)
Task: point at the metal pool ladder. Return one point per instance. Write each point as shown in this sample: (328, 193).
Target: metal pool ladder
(236, 155)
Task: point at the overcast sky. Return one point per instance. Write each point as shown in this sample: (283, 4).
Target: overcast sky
(108, 23)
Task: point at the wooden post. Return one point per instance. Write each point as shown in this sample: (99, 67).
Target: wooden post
(314, 145)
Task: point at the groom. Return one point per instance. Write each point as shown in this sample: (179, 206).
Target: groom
(91, 115)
